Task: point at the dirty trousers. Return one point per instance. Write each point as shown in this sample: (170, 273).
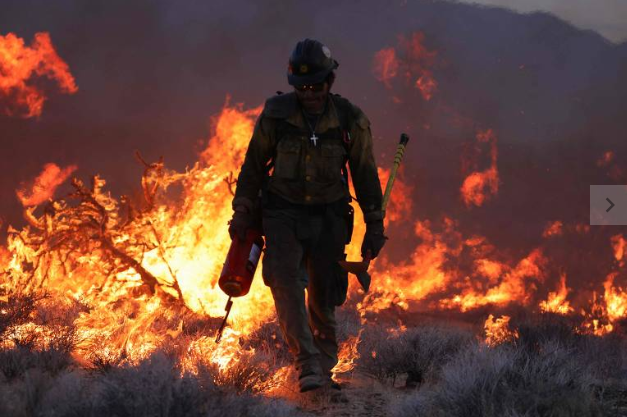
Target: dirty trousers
(302, 250)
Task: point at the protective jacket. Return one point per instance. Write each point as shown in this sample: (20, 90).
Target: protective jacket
(308, 173)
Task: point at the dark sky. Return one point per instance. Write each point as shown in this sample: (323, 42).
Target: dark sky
(607, 17)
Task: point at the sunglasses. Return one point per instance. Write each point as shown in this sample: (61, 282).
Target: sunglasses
(311, 87)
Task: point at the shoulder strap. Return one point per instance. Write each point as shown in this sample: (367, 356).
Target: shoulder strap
(346, 117)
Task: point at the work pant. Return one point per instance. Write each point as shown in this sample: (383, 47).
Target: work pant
(303, 246)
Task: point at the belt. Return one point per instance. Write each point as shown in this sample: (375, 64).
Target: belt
(275, 201)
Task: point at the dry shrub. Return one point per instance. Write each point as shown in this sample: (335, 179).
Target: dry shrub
(508, 381)
(152, 387)
(418, 352)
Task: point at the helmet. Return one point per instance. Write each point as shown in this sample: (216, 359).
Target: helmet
(310, 63)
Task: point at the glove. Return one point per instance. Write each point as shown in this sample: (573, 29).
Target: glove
(242, 221)
(374, 239)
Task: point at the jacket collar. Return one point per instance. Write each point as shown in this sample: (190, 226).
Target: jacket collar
(328, 120)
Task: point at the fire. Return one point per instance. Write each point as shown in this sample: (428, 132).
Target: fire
(427, 85)
(45, 184)
(605, 159)
(619, 244)
(556, 302)
(347, 355)
(615, 299)
(19, 64)
(410, 58)
(385, 66)
(128, 266)
(555, 228)
(497, 331)
(479, 186)
(136, 274)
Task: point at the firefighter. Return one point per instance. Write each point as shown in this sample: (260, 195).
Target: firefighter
(296, 160)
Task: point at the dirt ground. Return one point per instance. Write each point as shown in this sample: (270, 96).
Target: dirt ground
(360, 396)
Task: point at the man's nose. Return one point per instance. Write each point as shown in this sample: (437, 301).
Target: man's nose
(308, 94)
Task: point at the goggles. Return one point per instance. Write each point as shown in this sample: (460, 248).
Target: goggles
(311, 87)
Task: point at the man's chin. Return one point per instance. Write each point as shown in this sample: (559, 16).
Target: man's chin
(312, 107)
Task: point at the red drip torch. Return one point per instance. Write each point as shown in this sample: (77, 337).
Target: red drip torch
(239, 269)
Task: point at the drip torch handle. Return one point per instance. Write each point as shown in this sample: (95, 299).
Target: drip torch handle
(229, 304)
(400, 150)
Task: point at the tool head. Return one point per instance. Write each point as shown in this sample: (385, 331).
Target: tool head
(359, 269)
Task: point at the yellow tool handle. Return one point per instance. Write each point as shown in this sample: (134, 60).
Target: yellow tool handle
(397, 162)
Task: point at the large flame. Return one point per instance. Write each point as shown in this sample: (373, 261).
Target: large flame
(19, 64)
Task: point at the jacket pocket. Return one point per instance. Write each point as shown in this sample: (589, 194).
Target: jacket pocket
(333, 157)
(287, 162)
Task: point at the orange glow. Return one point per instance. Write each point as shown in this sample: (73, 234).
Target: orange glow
(556, 302)
(427, 85)
(615, 299)
(480, 186)
(553, 229)
(19, 64)
(497, 331)
(385, 66)
(619, 244)
(605, 159)
(347, 355)
(45, 184)
(512, 288)
(410, 58)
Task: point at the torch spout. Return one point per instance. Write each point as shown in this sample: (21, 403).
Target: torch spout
(229, 304)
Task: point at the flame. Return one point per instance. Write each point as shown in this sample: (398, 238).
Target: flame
(615, 299)
(427, 85)
(605, 159)
(479, 186)
(619, 244)
(177, 250)
(497, 331)
(347, 355)
(556, 302)
(410, 58)
(45, 184)
(385, 66)
(553, 229)
(19, 64)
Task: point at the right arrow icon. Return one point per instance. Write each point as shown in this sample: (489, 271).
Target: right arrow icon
(610, 207)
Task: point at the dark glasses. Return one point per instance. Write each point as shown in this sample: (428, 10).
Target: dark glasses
(311, 87)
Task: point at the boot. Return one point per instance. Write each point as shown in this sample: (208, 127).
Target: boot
(310, 378)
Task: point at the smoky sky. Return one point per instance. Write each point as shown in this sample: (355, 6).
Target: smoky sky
(152, 73)
(607, 17)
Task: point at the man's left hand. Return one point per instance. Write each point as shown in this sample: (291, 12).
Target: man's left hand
(374, 239)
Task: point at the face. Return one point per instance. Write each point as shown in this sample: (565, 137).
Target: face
(312, 97)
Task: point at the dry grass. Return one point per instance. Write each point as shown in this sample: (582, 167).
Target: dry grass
(550, 370)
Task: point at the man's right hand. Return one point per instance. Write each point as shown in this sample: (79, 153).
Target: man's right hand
(242, 221)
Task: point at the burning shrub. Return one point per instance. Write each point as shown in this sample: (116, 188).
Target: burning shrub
(153, 387)
(44, 343)
(15, 310)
